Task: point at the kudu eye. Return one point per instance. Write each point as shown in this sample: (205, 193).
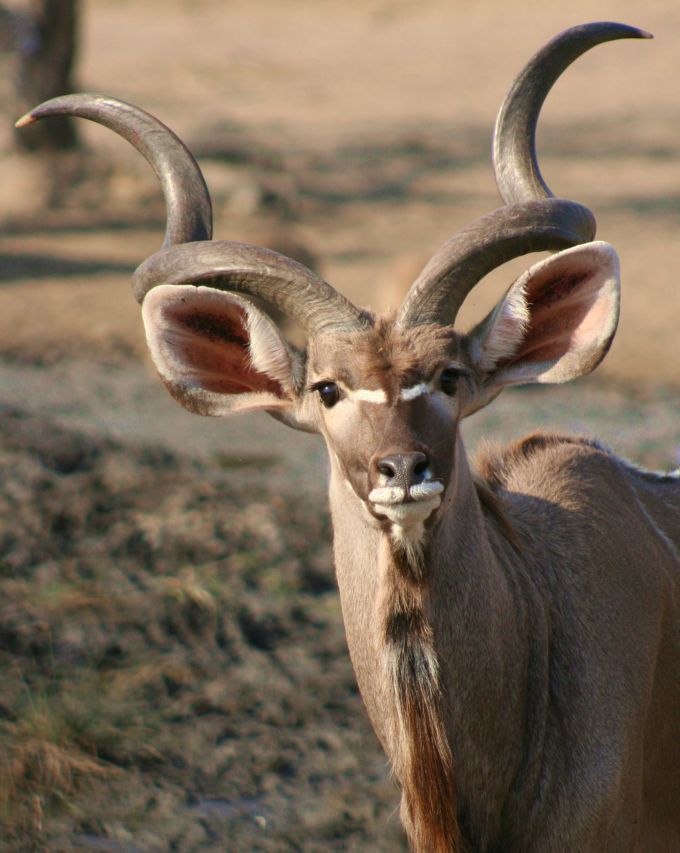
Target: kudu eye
(448, 380)
(329, 393)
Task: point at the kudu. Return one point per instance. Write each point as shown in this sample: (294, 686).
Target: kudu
(514, 628)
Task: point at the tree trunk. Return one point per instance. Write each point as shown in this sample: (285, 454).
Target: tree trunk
(47, 43)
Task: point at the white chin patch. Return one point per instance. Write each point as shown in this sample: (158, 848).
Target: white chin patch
(407, 515)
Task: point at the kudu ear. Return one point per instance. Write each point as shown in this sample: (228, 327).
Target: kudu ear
(555, 323)
(218, 354)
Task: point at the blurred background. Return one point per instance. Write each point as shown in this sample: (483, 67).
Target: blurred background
(174, 667)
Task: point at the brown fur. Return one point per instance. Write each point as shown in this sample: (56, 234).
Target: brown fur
(387, 355)
(493, 465)
(494, 508)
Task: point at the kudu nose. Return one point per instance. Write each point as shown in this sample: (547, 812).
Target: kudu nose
(403, 469)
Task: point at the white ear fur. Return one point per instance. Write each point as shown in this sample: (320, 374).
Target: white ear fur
(556, 322)
(267, 350)
(502, 331)
(225, 357)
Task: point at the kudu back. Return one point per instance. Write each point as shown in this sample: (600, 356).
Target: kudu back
(513, 624)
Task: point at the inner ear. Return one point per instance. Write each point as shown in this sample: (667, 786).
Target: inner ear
(216, 352)
(212, 344)
(565, 312)
(555, 323)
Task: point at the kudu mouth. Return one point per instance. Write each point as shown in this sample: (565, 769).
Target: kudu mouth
(407, 505)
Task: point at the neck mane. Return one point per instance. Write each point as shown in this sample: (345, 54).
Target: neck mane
(421, 753)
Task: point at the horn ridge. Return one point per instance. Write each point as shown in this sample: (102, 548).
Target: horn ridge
(533, 220)
(188, 255)
(514, 147)
(462, 261)
(255, 271)
(187, 200)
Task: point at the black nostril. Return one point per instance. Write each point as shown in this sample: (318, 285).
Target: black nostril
(387, 469)
(403, 469)
(420, 467)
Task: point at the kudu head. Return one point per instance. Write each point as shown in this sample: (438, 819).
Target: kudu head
(386, 393)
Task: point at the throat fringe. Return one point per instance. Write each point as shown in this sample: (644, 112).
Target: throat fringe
(422, 756)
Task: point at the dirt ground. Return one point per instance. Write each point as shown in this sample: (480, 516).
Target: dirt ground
(175, 675)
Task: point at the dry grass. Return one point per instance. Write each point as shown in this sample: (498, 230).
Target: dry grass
(48, 752)
(169, 640)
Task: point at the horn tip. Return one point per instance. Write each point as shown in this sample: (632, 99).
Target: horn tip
(636, 32)
(27, 119)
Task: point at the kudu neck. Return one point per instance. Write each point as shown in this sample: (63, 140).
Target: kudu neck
(478, 625)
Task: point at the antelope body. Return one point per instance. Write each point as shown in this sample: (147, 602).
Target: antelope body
(513, 625)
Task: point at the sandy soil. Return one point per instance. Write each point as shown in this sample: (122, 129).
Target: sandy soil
(163, 570)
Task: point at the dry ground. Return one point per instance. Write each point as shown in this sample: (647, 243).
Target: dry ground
(174, 670)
